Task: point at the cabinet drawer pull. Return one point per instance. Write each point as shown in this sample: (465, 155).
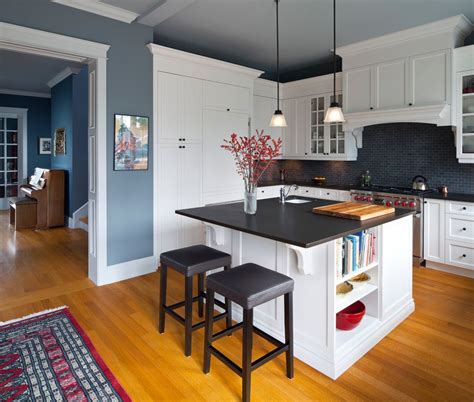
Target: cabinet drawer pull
(464, 229)
(228, 109)
(464, 208)
(464, 256)
(410, 104)
(371, 108)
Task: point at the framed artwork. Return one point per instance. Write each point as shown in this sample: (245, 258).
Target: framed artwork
(59, 141)
(131, 142)
(44, 146)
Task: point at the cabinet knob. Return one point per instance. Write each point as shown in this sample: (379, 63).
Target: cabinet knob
(425, 202)
(228, 109)
(463, 208)
(410, 104)
(464, 256)
(184, 139)
(371, 108)
(306, 153)
(464, 229)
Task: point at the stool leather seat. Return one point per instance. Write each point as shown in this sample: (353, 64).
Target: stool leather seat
(250, 285)
(195, 259)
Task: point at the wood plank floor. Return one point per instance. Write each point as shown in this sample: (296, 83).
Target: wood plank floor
(430, 356)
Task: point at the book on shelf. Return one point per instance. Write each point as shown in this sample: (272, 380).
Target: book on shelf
(354, 252)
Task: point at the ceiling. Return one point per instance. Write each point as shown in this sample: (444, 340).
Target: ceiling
(27, 72)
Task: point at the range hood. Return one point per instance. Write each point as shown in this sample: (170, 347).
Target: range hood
(439, 115)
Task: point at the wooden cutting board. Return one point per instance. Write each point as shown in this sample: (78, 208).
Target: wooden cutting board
(354, 210)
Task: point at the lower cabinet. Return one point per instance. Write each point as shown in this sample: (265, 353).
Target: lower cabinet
(180, 183)
(449, 233)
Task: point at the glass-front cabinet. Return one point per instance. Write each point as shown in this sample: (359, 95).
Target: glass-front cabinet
(327, 140)
(9, 173)
(465, 123)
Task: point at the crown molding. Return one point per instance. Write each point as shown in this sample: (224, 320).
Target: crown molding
(158, 50)
(24, 93)
(458, 25)
(99, 8)
(62, 75)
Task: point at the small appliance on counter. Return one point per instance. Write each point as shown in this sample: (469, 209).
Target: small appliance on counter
(366, 179)
(419, 183)
(443, 190)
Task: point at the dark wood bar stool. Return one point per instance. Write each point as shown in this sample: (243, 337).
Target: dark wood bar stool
(249, 285)
(190, 261)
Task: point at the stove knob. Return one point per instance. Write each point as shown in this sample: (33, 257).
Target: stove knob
(363, 198)
(370, 199)
(357, 198)
(397, 203)
(412, 204)
(388, 203)
(404, 204)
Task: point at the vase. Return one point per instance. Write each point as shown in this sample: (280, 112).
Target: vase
(250, 201)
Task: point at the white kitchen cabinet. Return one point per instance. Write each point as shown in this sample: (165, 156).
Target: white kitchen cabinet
(465, 115)
(266, 192)
(391, 84)
(430, 78)
(180, 179)
(179, 108)
(434, 230)
(419, 80)
(295, 135)
(226, 97)
(358, 91)
(219, 169)
(328, 194)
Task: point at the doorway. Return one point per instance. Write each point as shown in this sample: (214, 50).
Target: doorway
(35, 42)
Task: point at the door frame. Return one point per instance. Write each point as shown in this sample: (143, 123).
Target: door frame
(33, 41)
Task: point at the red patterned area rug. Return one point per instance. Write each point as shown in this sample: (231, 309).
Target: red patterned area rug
(47, 356)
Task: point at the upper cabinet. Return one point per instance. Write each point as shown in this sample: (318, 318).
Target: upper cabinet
(464, 103)
(179, 106)
(226, 97)
(401, 83)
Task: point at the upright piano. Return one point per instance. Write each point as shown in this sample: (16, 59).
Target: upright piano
(47, 187)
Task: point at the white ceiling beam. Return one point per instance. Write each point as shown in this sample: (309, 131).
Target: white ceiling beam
(62, 75)
(99, 8)
(164, 11)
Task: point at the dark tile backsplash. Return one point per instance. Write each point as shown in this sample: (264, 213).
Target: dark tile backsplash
(393, 153)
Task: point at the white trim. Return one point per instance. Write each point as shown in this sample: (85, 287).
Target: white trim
(99, 8)
(451, 269)
(22, 115)
(62, 75)
(33, 41)
(81, 212)
(434, 114)
(163, 12)
(27, 317)
(458, 24)
(127, 270)
(179, 55)
(25, 93)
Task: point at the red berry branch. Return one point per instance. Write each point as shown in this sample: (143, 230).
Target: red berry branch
(253, 155)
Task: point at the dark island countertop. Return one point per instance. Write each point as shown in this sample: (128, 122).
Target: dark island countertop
(294, 224)
(461, 197)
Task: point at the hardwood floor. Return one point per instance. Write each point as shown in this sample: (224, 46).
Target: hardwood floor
(430, 356)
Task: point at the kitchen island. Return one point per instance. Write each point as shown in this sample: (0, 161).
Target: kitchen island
(292, 240)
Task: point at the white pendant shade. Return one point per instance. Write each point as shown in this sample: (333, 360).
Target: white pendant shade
(278, 119)
(334, 115)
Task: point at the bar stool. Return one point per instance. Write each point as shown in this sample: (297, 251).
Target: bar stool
(190, 261)
(249, 285)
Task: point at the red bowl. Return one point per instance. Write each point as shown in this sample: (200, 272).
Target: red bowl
(350, 317)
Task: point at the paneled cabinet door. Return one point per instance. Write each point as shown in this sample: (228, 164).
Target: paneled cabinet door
(179, 108)
(226, 97)
(190, 193)
(434, 230)
(391, 84)
(219, 170)
(295, 135)
(429, 79)
(358, 90)
(168, 196)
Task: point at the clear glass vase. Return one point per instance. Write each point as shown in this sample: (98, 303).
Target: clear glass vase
(250, 201)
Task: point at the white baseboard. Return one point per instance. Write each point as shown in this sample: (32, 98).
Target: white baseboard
(127, 270)
(450, 269)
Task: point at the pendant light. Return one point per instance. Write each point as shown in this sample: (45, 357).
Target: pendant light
(278, 119)
(334, 113)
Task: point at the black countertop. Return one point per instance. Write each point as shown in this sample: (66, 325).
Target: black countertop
(462, 197)
(288, 223)
(308, 184)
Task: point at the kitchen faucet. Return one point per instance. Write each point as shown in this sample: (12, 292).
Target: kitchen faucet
(284, 194)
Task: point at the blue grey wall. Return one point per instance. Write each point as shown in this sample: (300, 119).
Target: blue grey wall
(38, 125)
(129, 90)
(393, 153)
